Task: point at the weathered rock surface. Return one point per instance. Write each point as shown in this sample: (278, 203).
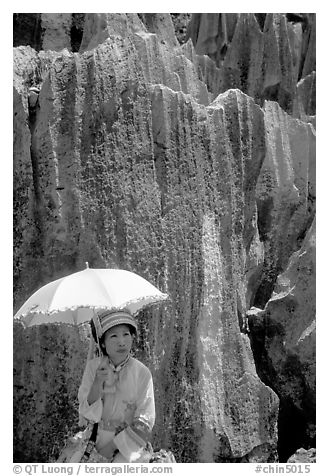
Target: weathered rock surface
(264, 55)
(303, 456)
(54, 31)
(304, 104)
(47, 371)
(285, 193)
(129, 157)
(27, 30)
(283, 339)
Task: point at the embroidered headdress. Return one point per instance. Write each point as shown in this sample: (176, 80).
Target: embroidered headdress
(105, 320)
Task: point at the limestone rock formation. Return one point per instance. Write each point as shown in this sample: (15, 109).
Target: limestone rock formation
(134, 151)
(285, 193)
(283, 338)
(47, 371)
(264, 55)
(303, 456)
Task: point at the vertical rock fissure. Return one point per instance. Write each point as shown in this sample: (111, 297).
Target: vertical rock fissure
(32, 120)
(76, 32)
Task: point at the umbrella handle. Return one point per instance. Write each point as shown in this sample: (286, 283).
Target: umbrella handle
(97, 329)
(92, 348)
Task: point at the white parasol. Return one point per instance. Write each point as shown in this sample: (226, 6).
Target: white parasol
(75, 298)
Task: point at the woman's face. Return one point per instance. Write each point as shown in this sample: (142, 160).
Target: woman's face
(118, 342)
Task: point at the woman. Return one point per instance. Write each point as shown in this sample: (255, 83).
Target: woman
(117, 391)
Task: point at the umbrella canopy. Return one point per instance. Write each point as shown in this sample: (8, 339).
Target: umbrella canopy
(75, 298)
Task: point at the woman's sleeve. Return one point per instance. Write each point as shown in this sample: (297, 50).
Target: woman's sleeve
(131, 441)
(91, 412)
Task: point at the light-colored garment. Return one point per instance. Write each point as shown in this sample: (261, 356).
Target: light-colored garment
(125, 412)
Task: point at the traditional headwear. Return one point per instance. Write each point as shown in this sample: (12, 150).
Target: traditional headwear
(107, 319)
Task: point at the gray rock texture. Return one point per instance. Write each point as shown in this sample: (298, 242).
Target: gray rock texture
(284, 335)
(264, 55)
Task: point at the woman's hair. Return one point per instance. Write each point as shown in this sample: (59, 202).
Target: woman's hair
(132, 331)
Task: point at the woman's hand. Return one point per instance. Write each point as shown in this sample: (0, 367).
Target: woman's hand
(97, 387)
(102, 372)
